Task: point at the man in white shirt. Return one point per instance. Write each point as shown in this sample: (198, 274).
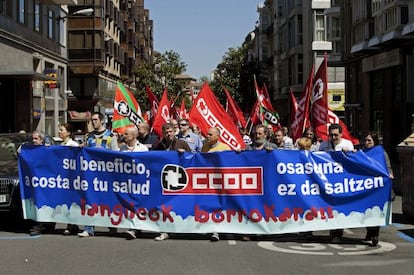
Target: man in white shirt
(132, 145)
(336, 143)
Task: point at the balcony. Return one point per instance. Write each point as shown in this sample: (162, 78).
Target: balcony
(321, 46)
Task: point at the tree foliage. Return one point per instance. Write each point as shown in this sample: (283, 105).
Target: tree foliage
(233, 73)
(160, 73)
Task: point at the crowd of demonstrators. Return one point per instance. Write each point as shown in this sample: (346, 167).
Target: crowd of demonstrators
(193, 140)
(213, 144)
(184, 137)
(100, 137)
(170, 142)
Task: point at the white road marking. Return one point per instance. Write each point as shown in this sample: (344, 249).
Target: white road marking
(328, 249)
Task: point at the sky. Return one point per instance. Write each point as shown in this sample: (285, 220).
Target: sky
(201, 31)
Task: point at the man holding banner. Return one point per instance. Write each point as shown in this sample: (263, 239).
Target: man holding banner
(102, 138)
(336, 143)
(214, 145)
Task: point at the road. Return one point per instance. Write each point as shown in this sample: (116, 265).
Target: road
(195, 254)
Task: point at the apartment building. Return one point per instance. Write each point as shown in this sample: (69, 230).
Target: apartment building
(104, 46)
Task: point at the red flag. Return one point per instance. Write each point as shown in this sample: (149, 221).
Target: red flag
(207, 112)
(253, 117)
(263, 96)
(163, 114)
(153, 100)
(234, 110)
(322, 116)
(319, 97)
(300, 110)
(182, 113)
(323, 133)
(127, 111)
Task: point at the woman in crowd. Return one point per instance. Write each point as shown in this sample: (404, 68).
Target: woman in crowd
(66, 134)
(310, 133)
(371, 140)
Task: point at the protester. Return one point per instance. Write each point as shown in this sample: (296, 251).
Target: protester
(246, 138)
(66, 134)
(38, 138)
(279, 140)
(305, 143)
(371, 140)
(197, 131)
(287, 140)
(132, 145)
(214, 145)
(336, 143)
(309, 133)
(170, 142)
(174, 123)
(260, 141)
(193, 140)
(145, 136)
(271, 133)
(102, 138)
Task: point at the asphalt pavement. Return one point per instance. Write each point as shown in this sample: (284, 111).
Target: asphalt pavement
(194, 254)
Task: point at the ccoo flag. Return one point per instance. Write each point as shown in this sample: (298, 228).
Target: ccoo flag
(207, 112)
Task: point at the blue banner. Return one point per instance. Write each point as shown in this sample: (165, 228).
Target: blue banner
(255, 192)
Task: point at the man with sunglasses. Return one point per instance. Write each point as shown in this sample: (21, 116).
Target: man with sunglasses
(193, 140)
(336, 143)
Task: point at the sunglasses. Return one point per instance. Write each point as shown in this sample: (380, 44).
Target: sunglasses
(183, 124)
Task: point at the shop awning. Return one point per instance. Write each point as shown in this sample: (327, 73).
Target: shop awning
(26, 75)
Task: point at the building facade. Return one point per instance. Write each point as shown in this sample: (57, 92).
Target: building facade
(379, 58)
(33, 65)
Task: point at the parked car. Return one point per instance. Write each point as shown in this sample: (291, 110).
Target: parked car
(10, 201)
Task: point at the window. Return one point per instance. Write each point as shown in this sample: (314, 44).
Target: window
(2, 9)
(21, 12)
(319, 26)
(36, 17)
(50, 18)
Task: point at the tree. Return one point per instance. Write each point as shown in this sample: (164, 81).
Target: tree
(160, 73)
(231, 73)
